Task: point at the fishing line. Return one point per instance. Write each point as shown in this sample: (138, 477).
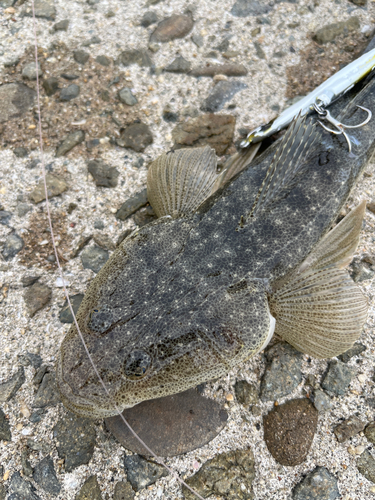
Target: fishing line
(158, 459)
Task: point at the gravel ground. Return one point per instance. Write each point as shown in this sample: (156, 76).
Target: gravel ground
(270, 83)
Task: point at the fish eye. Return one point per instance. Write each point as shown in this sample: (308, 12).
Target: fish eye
(100, 320)
(137, 365)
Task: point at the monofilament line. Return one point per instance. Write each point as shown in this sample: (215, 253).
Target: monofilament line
(158, 459)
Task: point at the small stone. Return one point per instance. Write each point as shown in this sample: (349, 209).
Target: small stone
(43, 8)
(20, 152)
(221, 94)
(70, 141)
(90, 490)
(71, 207)
(94, 258)
(9, 388)
(322, 401)
(45, 475)
(141, 473)
(55, 186)
(246, 393)
(136, 136)
(70, 92)
(319, 484)
(61, 25)
(29, 280)
(135, 56)
(176, 26)
(51, 85)
(33, 163)
(228, 475)
(329, 32)
(360, 271)
(23, 208)
(103, 60)
(47, 394)
(123, 491)
(65, 315)
(81, 56)
(219, 69)
(197, 39)
(103, 174)
(104, 241)
(215, 130)
(30, 358)
(283, 372)
(5, 217)
(5, 434)
(15, 100)
(91, 41)
(36, 297)
(349, 428)
(371, 206)
(132, 205)
(149, 18)
(98, 224)
(13, 245)
(353, 351)
(123, 236)
(360, 3)
(223, 45)
(289, 430)
(178, 65)
(366, 466)
(13, 61)
(82, 242)
(245, 8)
(338, 378)
(370, 432)
(38, 377)
(144, 216)
(22, 489)
(75, 440)
(27, 470)
(29, 71)
(126, 96)
(69, 76)
(259, 51)
(169, 115)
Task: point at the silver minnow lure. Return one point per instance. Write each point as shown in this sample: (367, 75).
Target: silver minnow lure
(323, 95)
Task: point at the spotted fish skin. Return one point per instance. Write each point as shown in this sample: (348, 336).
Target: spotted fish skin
(184, 300)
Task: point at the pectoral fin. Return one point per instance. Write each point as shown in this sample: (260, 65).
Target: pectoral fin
(320, 310)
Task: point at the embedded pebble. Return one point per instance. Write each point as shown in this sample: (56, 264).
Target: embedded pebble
(103, 174)
(132, 205)
(135, 56)
(5, 217)
(283, 372)
(337, 378)
(370, 432)
(215, 130)
(246, 393)
(103, 60)
(29, 71)
(176, 26)
(136, 136)
(22, 489)
(104, 241)
(47, 394)
(360, 271)
(20, 152)
(329, 32)
(221, 94)
(81, 56)
(36, 297)
(219, 69)
(69, 142)
(61, 25)
(123, 236)
(75, 439)
(123, 491)
(289, 430)
(169, 115)
(178, 65)
(82, 242)
(5, 434)
(94, 258)
(366, 466)
(229, 475)
(245, 8)
(141, 472)
(9, 388)
(353, 351)
(23, 208)
(29, 280)
(127, 97)
(15, 100)
(90, 490)
(55, 186)
(319, 484)
(322, 401)
(70, 92)
(30, 358)
(149, 17)
(27, 470)
(45, 475)
(99, 224)
(349, 428)
(65, 315)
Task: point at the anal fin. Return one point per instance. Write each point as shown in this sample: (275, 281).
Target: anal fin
(320, 310)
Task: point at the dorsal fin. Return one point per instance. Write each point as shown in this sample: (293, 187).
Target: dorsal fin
(287, 162)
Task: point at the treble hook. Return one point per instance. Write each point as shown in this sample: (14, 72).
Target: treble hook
(340, 127)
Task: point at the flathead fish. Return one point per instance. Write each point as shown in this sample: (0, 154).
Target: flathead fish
(188, 297)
